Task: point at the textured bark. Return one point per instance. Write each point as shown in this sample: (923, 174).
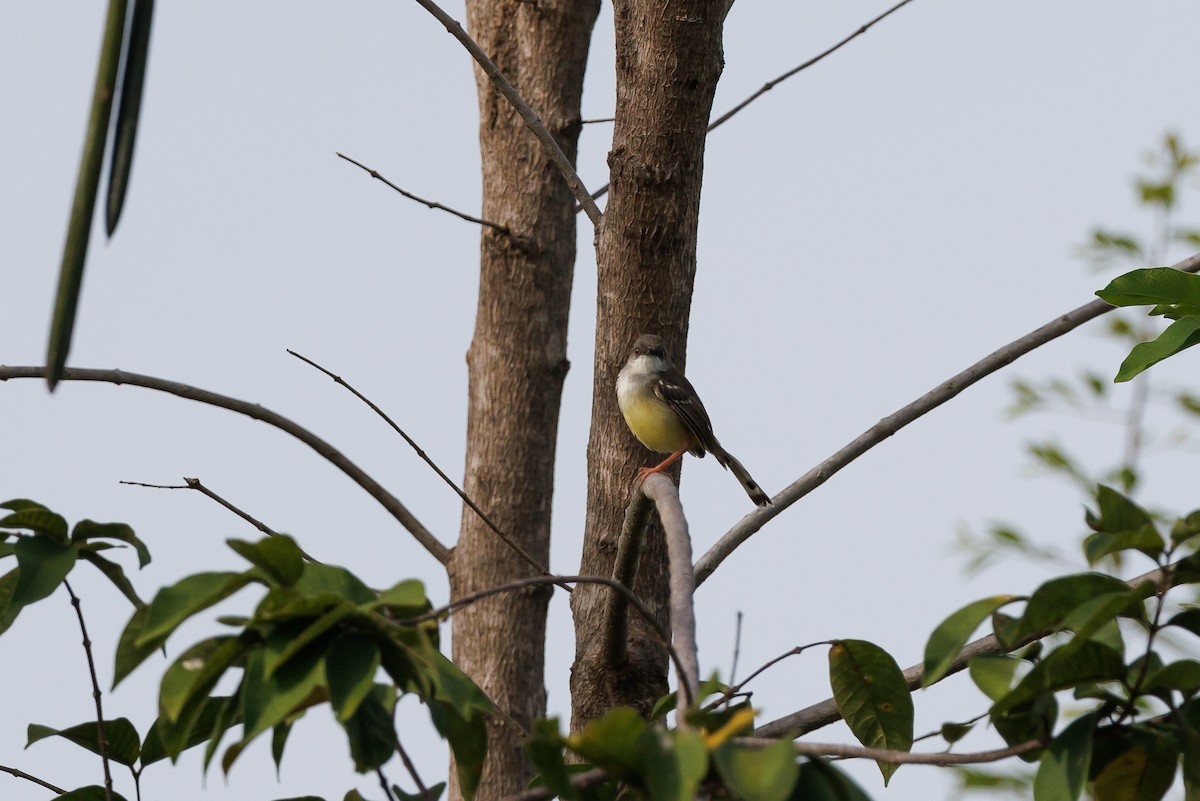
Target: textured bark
(668, 60)
(517, 361)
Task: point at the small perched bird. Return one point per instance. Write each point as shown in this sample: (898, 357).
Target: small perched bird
(662, 410)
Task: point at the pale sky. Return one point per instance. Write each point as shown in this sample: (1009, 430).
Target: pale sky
(868, 229)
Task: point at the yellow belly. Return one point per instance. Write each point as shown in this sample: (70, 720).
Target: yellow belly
(654, 424)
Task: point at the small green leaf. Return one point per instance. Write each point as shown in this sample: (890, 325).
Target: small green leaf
(611, 742)
(279, 736)
(1178, 336)
(350, 668)
(872, 696)
(1188, 620)
(1032, 720)
(166, 739)
(114, 572)
(370, 731)
(758, 774)
(278, 557)
(1185, 528)
(545, 750)
(21, 504)
(952, 634)
(37, 519)
(1144, 772)
(192, 676)
(1182, 676)
(93, 792)
(320, 579)
(1145, 540)
(1153, 285)
(406, 599)
(953, 732)
(819, 780)
(675, 763)
(129, 653)
(189, 596)
(86, 530)
(1063, 770)
(1085, 661)
(310, 634)
(1053, 601)
(123, 741)
(266, 702)
(44, 564)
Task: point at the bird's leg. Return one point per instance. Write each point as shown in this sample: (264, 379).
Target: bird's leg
(645, 472)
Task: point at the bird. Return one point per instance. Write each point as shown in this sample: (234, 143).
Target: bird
(664, 412)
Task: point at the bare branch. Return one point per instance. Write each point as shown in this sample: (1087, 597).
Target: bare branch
(101, 735)
(20, 774)
(509, 541)
(598, 120)
(769, 85)
(826, 712)
(430, 203)
(665, 495)
(751, 523)
(256, 412)
(664, 637)
(625, 566)
(531, 118)
(195, 484)
(900, 757)
(412, 771)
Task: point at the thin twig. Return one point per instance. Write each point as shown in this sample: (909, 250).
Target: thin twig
(101, 736)
(751, 523)
(660, 489)
(615, 643)
(737, 647)
(664, 637)
(532, 120)
(899, 757)
(509, 541)
(412, 770)
(580, 781)
(598, 120)
(736, 689)
(769, 85)
(198, 486)
(20, 774)
(256, 412)
(826, 712)
(430, 203)
(383, 783)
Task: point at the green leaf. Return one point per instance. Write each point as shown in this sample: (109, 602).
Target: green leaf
(279, 736)
(8, 585)
(819, 780)
(1032, 720)
(1178, 336)
(278, 557)
(872, 697)
(129, 653)
(123, 741)
(310, 634)
(545, 750)
(1144, 772)
(370, 731)
(1063, 770)
(611, 742)
(190, 678)
(114, 572)
(675, 763)
(319, 579)
(1145, 540)
(758, 774)
(86, 530)
(1085, 661)
(1188, 619)
(44, 563)
(1053, 601)
(1182, 676)
(432, 793)
(993, 675)
(189, 596)
(1186, 527)
(1153, 285)
(953, 732)
(952, 634)
(1117, 512)
(266, 702)
(20, 504)
(350, 668)
(467, 736)
(39, 520)
(406, 599)
(93, 792)
(166, 739)
(131, 81)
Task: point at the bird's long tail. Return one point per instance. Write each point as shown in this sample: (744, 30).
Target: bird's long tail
(726, 459)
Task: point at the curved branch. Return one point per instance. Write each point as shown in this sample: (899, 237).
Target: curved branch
(256, 412)
(665, 495)
(615, 636)
(531, 118)
(751, 523)
(826, 712)
(900, 757)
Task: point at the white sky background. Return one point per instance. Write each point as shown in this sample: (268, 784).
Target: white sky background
(868, 229)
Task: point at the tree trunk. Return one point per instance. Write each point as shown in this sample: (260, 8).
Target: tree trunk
(669, 58)
(517, 361)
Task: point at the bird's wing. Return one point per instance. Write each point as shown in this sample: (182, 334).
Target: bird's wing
(677, 392)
